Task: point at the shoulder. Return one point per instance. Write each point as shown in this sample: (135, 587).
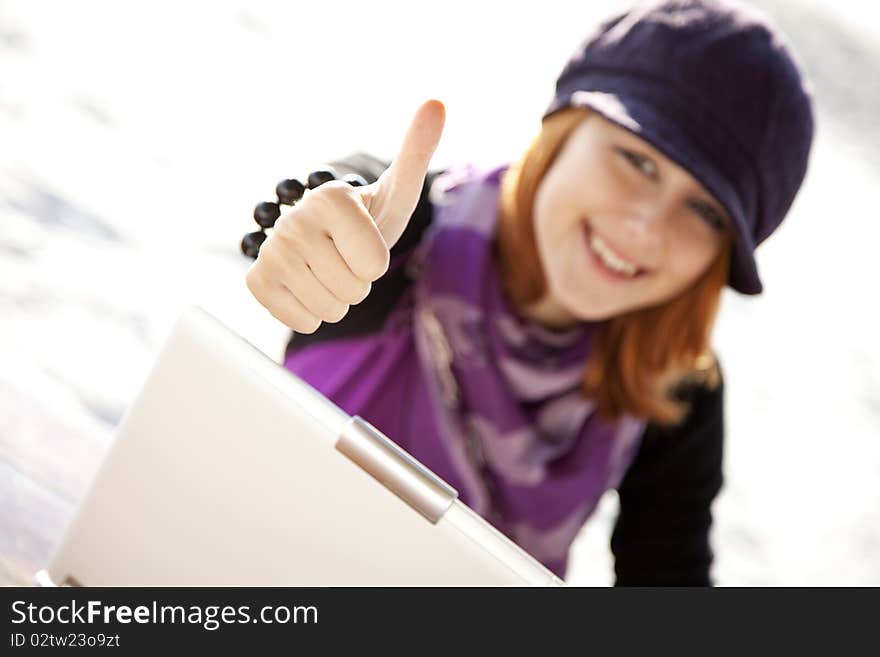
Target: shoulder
(661, 536)
(703, 394)
(691, 447)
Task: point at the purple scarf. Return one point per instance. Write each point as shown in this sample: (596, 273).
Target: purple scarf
(486, 399)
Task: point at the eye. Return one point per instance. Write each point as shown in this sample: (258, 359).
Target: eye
(710, 215)
(643, 164)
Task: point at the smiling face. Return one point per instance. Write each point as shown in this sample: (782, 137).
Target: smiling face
(619, 226)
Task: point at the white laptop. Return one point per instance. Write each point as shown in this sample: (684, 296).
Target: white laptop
(228, 470)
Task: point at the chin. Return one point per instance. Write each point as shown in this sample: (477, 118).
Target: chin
(596, 313)
(585, 308)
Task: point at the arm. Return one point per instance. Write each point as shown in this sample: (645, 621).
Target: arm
(369, 315)
(661, 537)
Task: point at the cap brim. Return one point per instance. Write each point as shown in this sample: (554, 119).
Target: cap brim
(646, 118)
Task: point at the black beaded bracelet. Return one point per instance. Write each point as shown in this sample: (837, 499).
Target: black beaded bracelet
(289, 192)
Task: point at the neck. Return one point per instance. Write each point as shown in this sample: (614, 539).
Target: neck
(549, 314)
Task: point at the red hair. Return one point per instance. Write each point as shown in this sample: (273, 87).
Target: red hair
(640, 357)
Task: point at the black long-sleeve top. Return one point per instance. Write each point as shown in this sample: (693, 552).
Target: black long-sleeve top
(661, 535)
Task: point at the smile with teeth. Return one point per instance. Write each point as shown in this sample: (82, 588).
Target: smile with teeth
(610, 259)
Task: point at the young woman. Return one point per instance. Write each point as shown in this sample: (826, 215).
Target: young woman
(539, 333)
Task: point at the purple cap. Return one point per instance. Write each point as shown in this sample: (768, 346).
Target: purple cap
(715, 87)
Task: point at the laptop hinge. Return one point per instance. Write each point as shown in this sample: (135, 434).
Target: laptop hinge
(395, 469)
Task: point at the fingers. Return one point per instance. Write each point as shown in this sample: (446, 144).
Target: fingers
(329, 267)
(304, 309)
(407, 171)
(324, 254)
(323, 284)
(301, 275)
(282, 304)
(396, 193)
(335, 210)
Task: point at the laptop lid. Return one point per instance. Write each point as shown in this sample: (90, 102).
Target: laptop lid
(228, 470)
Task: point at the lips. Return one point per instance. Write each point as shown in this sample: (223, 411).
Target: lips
(612, 265)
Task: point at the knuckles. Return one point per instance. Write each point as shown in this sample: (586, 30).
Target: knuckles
(306, 326)
(339, 312)
(292, 232)
(254, 280)
(331, 310)
(361, 294)
(289, 227)
(334, 189)
(332, 196)
(377, 266)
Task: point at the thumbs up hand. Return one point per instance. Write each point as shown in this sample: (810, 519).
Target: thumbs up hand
(324, 254)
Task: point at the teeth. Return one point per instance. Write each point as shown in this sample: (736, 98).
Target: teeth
(610, 258)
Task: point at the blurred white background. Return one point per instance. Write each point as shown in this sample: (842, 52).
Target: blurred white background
(136, 137)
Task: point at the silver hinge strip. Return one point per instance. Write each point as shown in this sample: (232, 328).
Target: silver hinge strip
(391, 466)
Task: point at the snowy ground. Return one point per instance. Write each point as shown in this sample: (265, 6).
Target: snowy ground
(135, 139)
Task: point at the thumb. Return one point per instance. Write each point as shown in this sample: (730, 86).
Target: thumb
(396, 193)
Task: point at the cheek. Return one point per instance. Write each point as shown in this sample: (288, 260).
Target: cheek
(549, 208)
(548, 217)
(692, 257)
(558, 230)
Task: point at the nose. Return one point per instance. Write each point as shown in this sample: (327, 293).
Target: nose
(645, 224)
